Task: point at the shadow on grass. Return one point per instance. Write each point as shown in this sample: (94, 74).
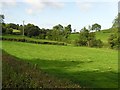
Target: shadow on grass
(61, 69)
(19, 74)
(91, 79)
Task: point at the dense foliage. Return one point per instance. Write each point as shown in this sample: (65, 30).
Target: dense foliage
(87, 38)
(31, 30)
(96, 27)
(27, 75)
(57, 33)
(114, 39)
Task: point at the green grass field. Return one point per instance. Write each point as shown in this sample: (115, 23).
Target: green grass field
(102, 35)
(16, 31)
(17, 73)
(73, 37)
(88, 67)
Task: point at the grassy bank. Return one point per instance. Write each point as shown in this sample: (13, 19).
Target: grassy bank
(88, 67)
(20, 74)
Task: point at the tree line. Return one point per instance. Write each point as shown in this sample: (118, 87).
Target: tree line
(57, 33)
(114, 39)
(87, 37)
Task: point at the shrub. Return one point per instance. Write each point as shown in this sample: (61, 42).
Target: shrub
(114, 41)
(87, 38)
(9, 31)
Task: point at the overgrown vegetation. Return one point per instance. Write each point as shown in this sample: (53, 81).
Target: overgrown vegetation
(27, 75)
(29, 40)
(58, 33)
(114, 39)
(87, 38)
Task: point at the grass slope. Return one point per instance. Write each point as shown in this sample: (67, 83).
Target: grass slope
(19, 74)
(89, 67)
(102, 35)
(16, 31)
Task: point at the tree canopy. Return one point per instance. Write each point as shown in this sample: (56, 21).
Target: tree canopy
(96, 27)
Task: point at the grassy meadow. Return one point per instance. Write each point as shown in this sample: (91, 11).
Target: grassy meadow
(88, 67)
(102, 35)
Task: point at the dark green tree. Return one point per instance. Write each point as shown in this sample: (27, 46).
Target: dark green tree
(43, 33)
(3, 28)
(1, 18)
(67, 31)
(96, 27)
(12, 25)
(31, 30)
(87, 38)
(114, 39)
(9, 31)
(115, 22)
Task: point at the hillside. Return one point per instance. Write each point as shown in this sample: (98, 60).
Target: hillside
(102, 35)
(27, 75)
(82, 65)
(58, 66)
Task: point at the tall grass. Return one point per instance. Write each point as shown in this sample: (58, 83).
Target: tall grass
(19, 74)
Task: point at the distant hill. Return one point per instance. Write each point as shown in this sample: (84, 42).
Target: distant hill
(103, 35)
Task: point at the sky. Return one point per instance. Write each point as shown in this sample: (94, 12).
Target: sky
(48, 13)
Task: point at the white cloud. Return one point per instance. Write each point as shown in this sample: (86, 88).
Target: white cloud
(34, 6)
(38, 5)
(84, 6)
(119, 7)
(96, 0)
(6, 3)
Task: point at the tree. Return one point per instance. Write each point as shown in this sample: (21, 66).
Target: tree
(83, 37)
(56, 33)
(49, 34)
(12, 25)
(43, 33)
(87, 38)
(1, 18)
(3, 28)
(96, 27)
(31, 30)
(74, 30)
(115, 22)
(114, 39)
(67, 31)
(9, 31)
(89, 28)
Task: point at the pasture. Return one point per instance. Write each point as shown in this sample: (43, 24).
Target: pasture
(88, 67)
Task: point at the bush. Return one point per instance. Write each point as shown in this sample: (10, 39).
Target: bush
(92, 43)
(114, 41)
(33, 41)
(96, 43)
(9, 31)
